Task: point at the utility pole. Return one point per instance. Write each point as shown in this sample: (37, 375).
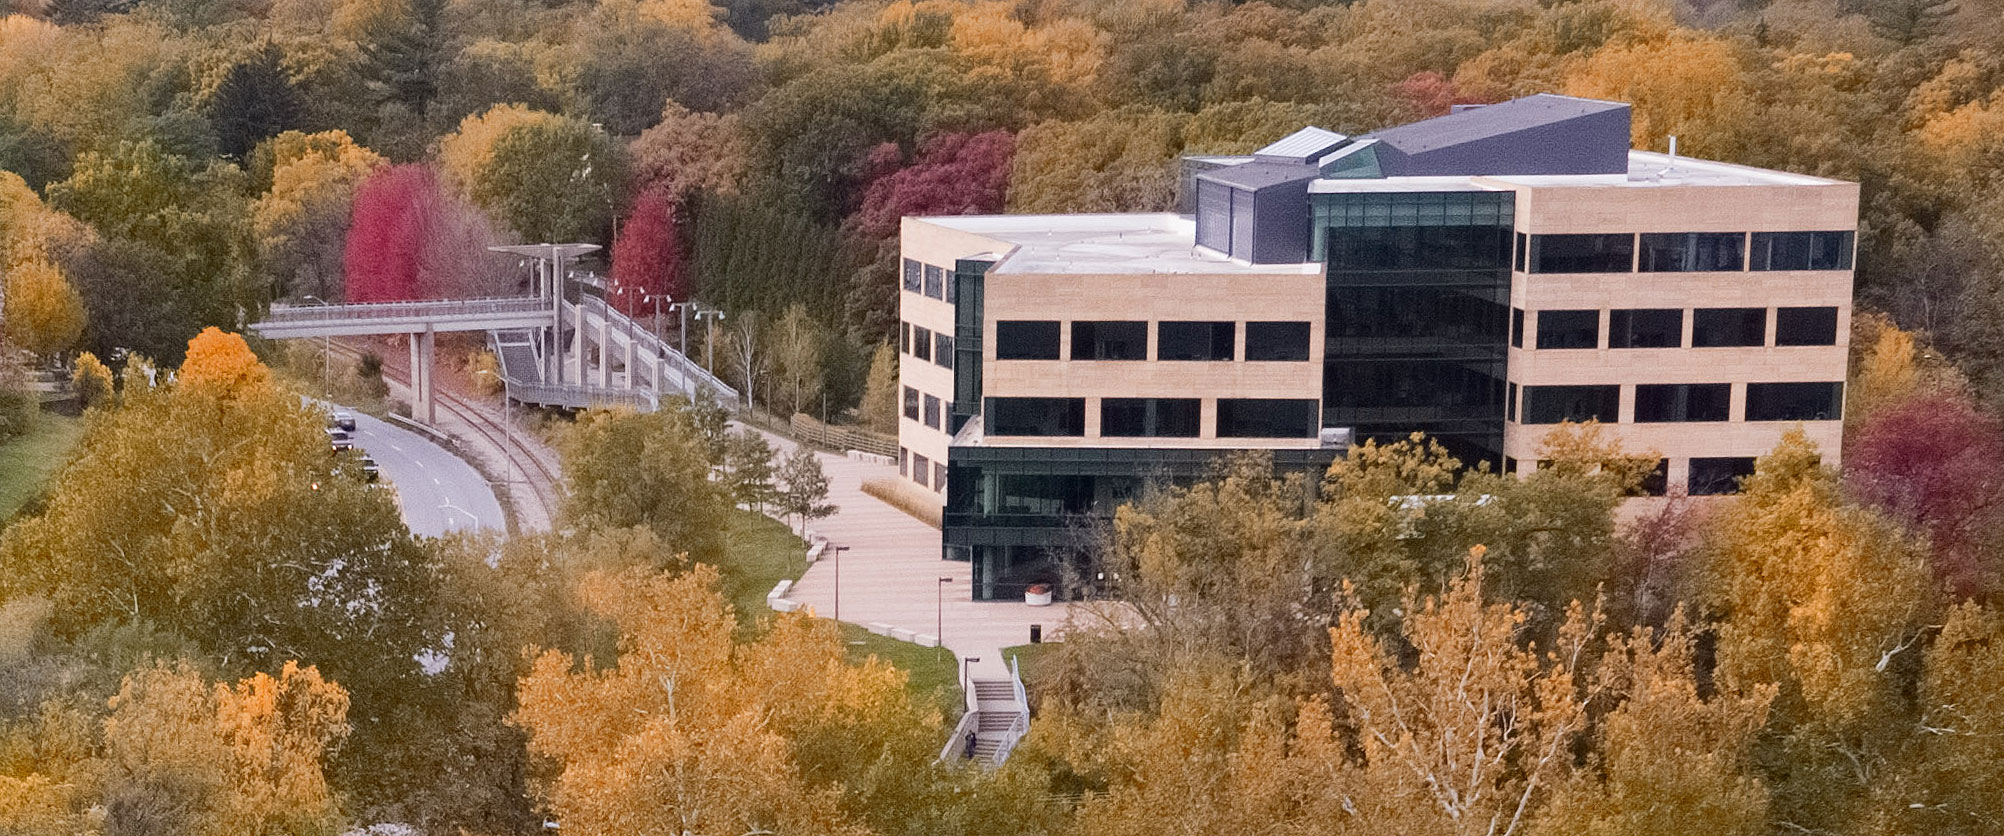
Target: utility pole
(326, 358)
(710, 336)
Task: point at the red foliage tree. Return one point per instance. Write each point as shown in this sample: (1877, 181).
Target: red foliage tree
(1936, 463)
(1427, 93)
(409, 239)
(953, 174)
(648, 259)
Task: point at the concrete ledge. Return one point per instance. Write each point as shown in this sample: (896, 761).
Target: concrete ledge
(901, 634)
(925, 640)
(880, 628)
(871, 458)
(779, 590)
(785, 605)
(814, 552)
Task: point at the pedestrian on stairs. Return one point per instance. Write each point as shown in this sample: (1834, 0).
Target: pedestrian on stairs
(968, 750)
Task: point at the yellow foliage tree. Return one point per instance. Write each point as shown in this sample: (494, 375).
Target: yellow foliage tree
(92, 381)
(1690, 87)
(301, 225)
(467, 153)
(44, 314)
(222, 364)
(1950, 780)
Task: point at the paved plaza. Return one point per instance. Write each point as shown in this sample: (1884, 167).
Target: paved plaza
(890, 574)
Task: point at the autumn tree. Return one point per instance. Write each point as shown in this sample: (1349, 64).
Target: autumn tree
(1948, 780)
(953, 174)
(1116, 161)
(747, 471)
(628, 468)
(879, 410)
(649, 259)
(254, 101)
(301, 224)
(546, 177)
(410, 239)
(801, 487)
(687, 152)
(92, 381)
(44, 315)
(798, 351)
(1935, 463)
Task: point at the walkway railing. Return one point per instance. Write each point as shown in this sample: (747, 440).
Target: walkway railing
(693, 378)
(304, 314)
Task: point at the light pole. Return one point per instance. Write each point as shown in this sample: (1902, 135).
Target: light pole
(326, 357)
(710, 336)
(838, 581)
(939, 610)
(507, 426)
(964, 663)
(682, 331)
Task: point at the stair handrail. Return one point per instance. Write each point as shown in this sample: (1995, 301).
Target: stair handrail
(698, 378)
(952, 750)
(1019, 725)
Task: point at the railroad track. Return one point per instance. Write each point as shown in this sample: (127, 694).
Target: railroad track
(539, 471)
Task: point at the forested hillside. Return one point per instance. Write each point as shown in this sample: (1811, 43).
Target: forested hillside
(757, 153)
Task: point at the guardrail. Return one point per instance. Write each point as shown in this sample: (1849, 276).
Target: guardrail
(843, 438)
(302, 314)
(695, 377)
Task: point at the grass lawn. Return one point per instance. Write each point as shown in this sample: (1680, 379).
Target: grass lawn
(761, 552)
(1028, 656)
(26, 462)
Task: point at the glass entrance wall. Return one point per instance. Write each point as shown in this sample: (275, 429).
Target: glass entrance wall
(1419, 315)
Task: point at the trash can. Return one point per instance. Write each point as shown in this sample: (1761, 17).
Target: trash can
(1036, 634)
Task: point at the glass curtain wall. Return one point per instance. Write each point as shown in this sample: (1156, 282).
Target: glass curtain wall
(1418, 313)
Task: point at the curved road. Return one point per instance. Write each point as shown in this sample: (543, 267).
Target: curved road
(439, 492)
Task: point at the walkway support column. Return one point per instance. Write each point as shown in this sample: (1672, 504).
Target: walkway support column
(605, 348)
(423, 406)
(578, 339)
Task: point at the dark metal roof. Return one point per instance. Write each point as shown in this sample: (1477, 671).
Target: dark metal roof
(1480, 123)
(1260, 175)
(1541, 134)
(1301, 146)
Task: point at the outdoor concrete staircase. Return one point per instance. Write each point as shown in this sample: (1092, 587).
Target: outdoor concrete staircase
(997, 714)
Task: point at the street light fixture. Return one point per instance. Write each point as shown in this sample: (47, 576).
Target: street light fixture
(838, 581)
(508, 424)
(964, 664)
(710, 335)
(939, 610)
(326, 357)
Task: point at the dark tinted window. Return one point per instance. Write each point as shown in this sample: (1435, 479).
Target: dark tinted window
(935, 282)
(1552, 404)
(1569, 329)
(1026, 340)
(1802, 251)
(1276, 341)
(939, 470)
(932, 412)
(1195, 341)
(1510, 406)
(1657, 482)
(913, 271)
(1795, 401)
(1717, 327)
(1266, 418)
(1690, 252)
(921, 469)
(905, 337)
(1714, 476)
(1523, 244)
(1645, 328)
(1656, 403)
(1109, 341)
(1805, 326)
(1149, 417)
(1516, 327)
(942, 350)
(1583, 253)
(1035, 416)
(911, 403)
(921, 343)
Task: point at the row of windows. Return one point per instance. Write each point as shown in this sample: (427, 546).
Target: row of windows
(925, 409)
(1153, 417)
(1679, 402)
(930, 280)
(925, 344)
(1664, 327)
(1176, 340)
(927, 473)
(1683, 252)
(1709, 476)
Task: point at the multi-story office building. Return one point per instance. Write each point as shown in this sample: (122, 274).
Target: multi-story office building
(1479, 277)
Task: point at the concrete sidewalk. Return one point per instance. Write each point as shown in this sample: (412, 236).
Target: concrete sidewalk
(890, 574)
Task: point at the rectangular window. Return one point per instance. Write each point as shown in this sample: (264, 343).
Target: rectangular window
(1795, 401)
(1510, 407)
(1026, 340)
(1568, 329)
(1613, 253)
(932, 412)
(913, 271)
(1109, 341)
(904, 338)
(1657, 482)
(1715, 476)
(1672, 402)
(1516, 327)
(1276, 341)
(911, 403)
(1728, 327)
(1523, 246)
(1692, 252)
(1802, 250)
(1195, 340)
(904, 462)
(949, 285)
(1267, 418)
(921, 469)
(1552, 404)
(938, 476)
(922, 343)
(942, 350)
(1805, 326)
(1035, 416)
(935, 282)
(1645, 328)
(1149, 417)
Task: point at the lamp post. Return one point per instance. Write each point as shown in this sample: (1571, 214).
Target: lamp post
(326, 356)
(964, 663)
(682, 331)
(939, 610)
(507, 426)
(709, 335)
(838, 581)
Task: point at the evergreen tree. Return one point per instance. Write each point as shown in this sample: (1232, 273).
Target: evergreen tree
(254, 102)
(803, 487)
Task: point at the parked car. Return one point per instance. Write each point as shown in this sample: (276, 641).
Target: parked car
(339, 438)
(344, 419)
(370, 472)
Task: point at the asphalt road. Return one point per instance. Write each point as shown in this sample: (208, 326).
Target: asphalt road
(439, 492)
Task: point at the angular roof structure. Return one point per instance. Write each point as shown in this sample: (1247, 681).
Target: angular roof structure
(1540, 134)
(1300, 147)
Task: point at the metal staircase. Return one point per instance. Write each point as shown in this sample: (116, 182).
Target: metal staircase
(998, 715)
